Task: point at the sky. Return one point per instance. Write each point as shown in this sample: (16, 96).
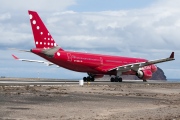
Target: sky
(134, 28)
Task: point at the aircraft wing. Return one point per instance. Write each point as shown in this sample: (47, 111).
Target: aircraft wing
(38, 61)
(136, 66)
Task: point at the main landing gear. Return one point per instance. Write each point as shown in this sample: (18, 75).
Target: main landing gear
(144, 80)
(88, 79)
(116, 79)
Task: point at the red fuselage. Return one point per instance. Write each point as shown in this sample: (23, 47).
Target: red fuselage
(92, 63)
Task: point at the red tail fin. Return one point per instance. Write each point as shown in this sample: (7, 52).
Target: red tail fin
(42, 37)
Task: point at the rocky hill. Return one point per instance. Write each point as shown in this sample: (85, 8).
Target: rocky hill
(159, 75)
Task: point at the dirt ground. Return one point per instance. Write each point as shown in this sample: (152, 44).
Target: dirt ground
(122, 101)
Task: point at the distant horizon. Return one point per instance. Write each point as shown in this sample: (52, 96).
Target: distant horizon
(173, 79)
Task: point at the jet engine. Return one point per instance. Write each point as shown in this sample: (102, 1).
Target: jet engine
(153, 68)
(144, 74)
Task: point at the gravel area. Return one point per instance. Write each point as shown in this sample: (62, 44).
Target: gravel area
(121, 101)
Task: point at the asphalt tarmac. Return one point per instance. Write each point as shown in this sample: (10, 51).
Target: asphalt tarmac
(37, 81)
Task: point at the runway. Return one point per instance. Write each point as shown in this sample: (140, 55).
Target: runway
(34, 83)
(37, 81)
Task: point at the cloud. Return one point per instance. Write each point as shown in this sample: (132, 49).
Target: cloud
(5, 16)
(45, 5)
(15, 30)
(141, 30)
(137, 29)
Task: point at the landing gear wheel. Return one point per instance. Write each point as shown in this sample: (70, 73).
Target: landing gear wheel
(120, 79)
(88, 78)
(85, 79)
(112, 79)
(116, 79)
(144, 80)
(92, 79)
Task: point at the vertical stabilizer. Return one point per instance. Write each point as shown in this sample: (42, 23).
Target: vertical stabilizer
(42, 37)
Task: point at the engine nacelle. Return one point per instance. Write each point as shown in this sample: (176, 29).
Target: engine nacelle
(144, 74)
(153, 68)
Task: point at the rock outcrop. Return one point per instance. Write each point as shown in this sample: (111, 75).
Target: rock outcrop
(159, 75)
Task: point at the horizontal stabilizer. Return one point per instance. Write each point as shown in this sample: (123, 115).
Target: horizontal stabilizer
(37, 61)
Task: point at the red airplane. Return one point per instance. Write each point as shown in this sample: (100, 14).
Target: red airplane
(95, 65)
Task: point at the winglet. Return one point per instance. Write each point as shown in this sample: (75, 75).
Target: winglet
(172, 55)
(15, 57)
